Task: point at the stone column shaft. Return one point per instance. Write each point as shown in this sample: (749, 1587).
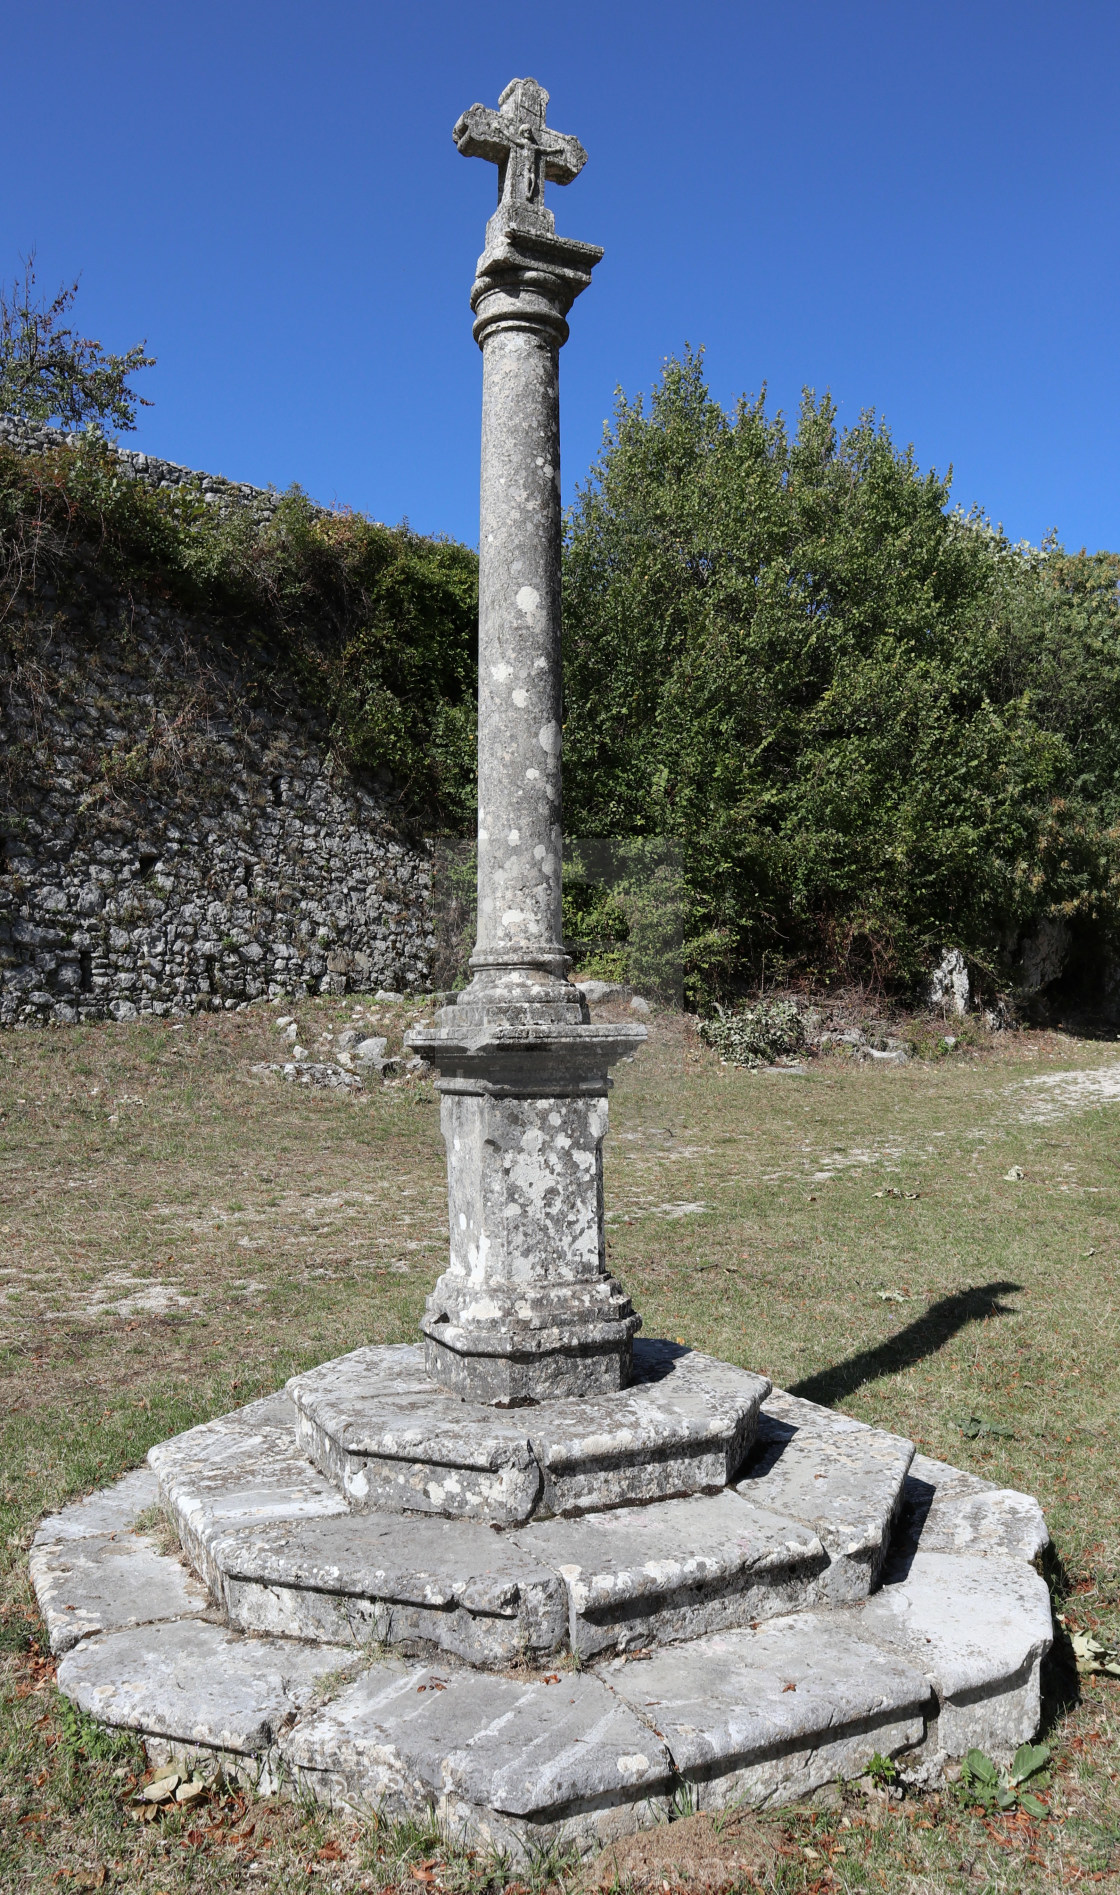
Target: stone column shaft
(519, 836)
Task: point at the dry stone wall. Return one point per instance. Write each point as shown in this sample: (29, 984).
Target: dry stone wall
(175, 832)
(260, 503)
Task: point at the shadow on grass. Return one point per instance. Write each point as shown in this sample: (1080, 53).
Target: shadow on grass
(919, 1339)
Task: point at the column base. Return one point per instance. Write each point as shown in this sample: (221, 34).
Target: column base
(506, 1371)
(527, 1310)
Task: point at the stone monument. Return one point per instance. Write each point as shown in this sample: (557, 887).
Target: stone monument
(419, 1576)
(527, 1308)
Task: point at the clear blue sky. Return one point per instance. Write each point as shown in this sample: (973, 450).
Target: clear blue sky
(910, 202)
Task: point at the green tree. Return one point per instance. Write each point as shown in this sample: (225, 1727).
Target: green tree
(852, 705)
(48, 372)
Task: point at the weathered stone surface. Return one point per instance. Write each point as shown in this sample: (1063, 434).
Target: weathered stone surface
(259, 866)
(674, 1570)
(840, 1477)
(393, 1440)
(194, 1683)
(515, 1763)
(946, 1511)
(394, 1578)
(527, 1308)
(268, 1411)
(979, 1629)
(102, 1582)
(768, 1715)
(685, 1425)
(230, 1473)
(1005, 1522)
(111, 1510)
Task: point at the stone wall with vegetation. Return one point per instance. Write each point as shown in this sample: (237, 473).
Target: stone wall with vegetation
(185, 820)
(168, 846)
(258, 504)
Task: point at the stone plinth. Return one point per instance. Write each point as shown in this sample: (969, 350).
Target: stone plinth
(713, 1650)
(527, 1308)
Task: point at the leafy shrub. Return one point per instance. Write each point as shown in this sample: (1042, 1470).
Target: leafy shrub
(758, 1035)
(873, 724)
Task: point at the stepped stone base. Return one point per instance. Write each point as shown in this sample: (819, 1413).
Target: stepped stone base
(393, 1439)
(556, 1672)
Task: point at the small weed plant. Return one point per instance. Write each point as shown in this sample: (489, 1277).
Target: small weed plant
(981, 1782)
(770, 1030)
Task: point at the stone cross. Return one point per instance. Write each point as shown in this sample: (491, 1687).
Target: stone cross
(526, 152)
(527, 1308)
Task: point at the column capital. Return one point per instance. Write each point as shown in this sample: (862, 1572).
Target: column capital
(527, 278)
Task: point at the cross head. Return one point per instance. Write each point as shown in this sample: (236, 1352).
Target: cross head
(525, 150)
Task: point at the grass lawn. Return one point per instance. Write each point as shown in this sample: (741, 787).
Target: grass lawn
(179, 1234)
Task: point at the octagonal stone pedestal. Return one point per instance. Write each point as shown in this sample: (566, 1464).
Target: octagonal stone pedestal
(702, 1582)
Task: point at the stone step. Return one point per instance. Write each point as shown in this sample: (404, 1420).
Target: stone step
(240, 1470)
(515, 1763)
(393, 1440)
(95, 1570)
(838, 1476)
(397, 1579)
(948, 1511)
(198, 1687)
(770, 1714)
(979, 1628)
(629, 1576)
(643, 1575)
(105, 1581)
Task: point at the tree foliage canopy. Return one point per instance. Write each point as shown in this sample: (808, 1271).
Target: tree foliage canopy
(875, 726)
(48, 372)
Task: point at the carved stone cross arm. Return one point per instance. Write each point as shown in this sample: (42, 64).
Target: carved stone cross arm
(525, 150)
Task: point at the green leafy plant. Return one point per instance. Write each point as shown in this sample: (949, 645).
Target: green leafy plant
(1092, 1654)
(784, 648)
(974, 1428)
(981, 1782)
(50, 372)
(882, 1770)
(758, 1035)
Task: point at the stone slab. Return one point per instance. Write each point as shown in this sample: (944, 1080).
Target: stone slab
(685, 1425)
(675, 1569)
(768, 1715)
(947, 1511)
(268, 1411)
(396, 1578)
(979, 1628)
(516, 1763)
(194, 1683)
(393, 1440)
(838, 1476)
(110, 1510)
(231, 1473)
(102, 1582)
